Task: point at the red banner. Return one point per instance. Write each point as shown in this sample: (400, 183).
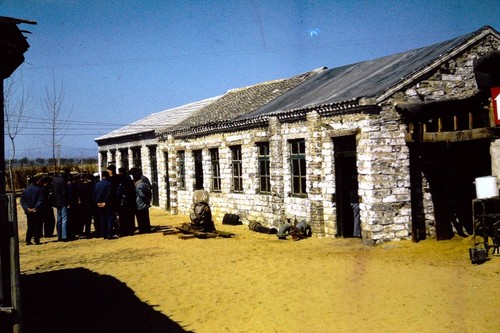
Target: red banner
(495, 99)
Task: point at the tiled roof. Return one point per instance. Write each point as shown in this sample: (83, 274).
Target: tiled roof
(159, 120)
(238, 102)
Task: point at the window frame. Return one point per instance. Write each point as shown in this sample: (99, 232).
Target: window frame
(216, 178)
(181, 163)
(237, 169)
(298, 168)
(264, 167)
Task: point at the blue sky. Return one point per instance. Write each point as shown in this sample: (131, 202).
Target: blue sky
(118, 61)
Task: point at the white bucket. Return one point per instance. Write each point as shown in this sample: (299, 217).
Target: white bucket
(486, 187)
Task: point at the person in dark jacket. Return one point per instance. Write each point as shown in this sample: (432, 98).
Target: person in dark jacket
(74, 221)
(32, 203)
(125, 199)
(87, 208)
(47, 213)
(61, 203)
(143, 202)
(103, 197)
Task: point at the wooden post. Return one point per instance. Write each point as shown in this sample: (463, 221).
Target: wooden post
(15, 270)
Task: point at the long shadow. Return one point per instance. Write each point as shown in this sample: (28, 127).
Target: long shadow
(81, 301)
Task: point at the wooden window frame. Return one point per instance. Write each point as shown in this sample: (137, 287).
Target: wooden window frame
(237, 169)
(216, 179)
(264, 164)
(181, 162)
(298, 170)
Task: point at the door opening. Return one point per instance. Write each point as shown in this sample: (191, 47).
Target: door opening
(346, 187)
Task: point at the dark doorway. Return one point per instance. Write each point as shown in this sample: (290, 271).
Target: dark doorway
(450, 169)
(154, 174)
(167, 181)
(198, 170)
(346, 186)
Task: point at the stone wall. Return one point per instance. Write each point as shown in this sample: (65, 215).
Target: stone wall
(454, 79)
(382, 167)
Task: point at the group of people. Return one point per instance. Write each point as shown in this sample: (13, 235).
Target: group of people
(110, 204)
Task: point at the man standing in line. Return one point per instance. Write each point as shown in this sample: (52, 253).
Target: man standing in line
(103, 198)
(113, 178)
(125, 198)
(32, 202)
(87, 205)
(47, 214)
(143, 202)
(60, 202)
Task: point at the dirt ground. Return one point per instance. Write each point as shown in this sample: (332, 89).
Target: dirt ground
(254, 283)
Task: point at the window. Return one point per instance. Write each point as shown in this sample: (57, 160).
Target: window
(113, 156)
(136, 157)
(198, 169)
(237, 171)
(153, 165)
(104, 160)
(264, 174)
(214, 158)
(181, 156)
(298, 166)
(124, 158)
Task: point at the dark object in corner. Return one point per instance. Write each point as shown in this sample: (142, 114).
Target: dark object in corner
(478, 255)
(231, 219)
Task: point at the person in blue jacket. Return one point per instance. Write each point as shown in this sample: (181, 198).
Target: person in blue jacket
(32, 203)
(103, 198)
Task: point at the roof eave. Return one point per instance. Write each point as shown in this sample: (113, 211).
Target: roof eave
(333, 109)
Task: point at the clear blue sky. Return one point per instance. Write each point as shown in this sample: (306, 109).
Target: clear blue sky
(119, 61)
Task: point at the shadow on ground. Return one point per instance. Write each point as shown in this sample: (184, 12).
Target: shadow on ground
(82, 301)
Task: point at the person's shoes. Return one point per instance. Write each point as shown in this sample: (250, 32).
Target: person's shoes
(37, 241)
(29, 243)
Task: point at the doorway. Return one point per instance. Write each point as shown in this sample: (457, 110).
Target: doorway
(450, 169)
(154, 175)
(346, 187)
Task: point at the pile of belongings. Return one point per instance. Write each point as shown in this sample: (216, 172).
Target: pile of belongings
(200, 214)
(298, 231)
(258, 227)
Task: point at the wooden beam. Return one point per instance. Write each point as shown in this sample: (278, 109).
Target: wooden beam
(457, 136)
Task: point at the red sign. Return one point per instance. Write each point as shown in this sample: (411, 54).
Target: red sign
(495, 99)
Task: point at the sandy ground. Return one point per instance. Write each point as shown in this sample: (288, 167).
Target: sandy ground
(254, 283)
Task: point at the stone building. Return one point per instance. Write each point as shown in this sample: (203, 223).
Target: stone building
(388, 135)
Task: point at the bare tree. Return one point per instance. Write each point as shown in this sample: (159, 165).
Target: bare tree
(53, 110)
(16, 114)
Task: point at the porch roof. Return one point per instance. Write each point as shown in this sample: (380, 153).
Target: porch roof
(158, 121)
